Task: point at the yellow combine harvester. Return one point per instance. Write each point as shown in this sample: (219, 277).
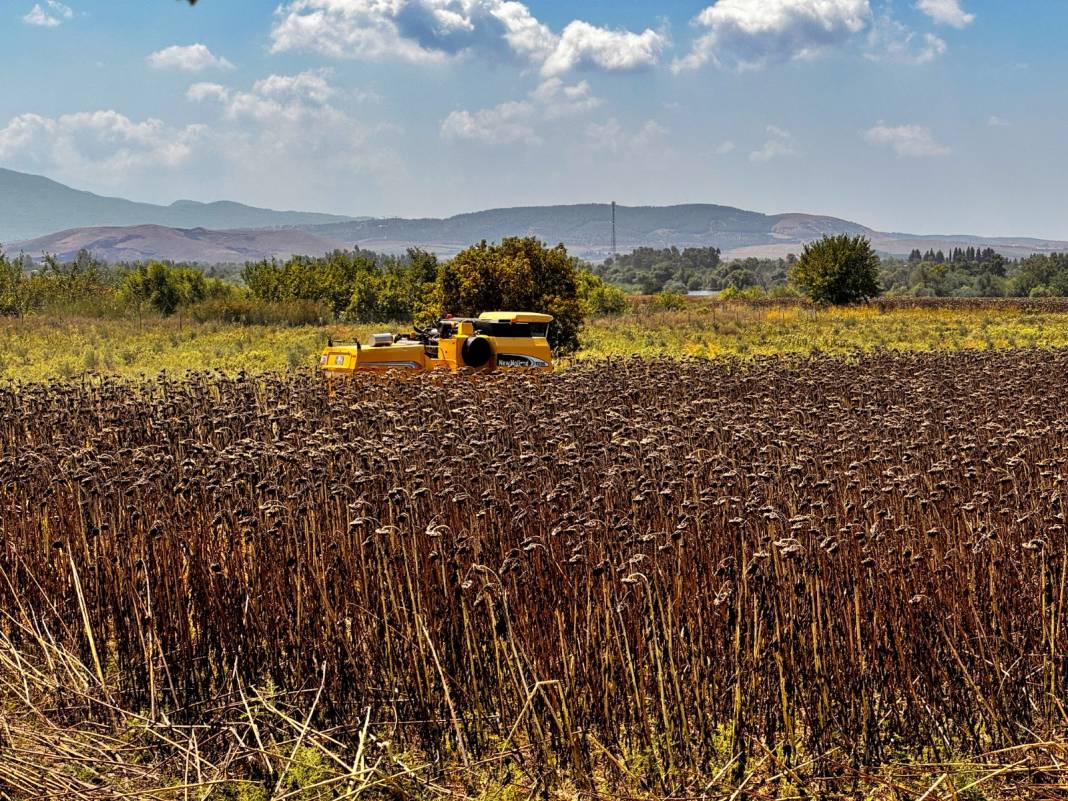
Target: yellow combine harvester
(491, 341)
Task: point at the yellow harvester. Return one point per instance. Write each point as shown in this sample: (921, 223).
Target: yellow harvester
(491, 341)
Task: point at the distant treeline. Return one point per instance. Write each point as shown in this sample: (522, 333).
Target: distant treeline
(962, 272)
(364, 286)
(349, 286)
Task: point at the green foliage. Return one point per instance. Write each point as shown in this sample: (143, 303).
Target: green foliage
(355, 285)
(748, 293)
(1046, 273)
(600, 297)
(330, 279)
(308, 777)
(519, 274)
(969, 272)
(838, 270)
(651, 269)
(668, 301)
(166, 287)
(19, 292)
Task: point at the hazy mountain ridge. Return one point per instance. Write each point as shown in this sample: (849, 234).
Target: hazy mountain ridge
(586, 230)
(145, 242)
(33, 206)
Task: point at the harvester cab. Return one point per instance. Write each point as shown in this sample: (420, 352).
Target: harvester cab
(491, 341)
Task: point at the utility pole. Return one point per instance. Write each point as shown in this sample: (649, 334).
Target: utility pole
(613, 230)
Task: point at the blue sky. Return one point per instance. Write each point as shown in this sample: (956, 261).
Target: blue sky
(928, 116)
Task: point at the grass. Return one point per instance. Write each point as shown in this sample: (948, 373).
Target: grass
(41, 348)
(738, 329)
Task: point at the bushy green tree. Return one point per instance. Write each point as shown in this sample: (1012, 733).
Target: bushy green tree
(600, 297)
(331, 278)
(400, 290)
(519, 274)
(837, 269)
(163, 286)
(20, 292)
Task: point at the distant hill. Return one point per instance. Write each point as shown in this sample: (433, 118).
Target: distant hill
(586, 229)
(32, 206)
(117, 230)
(143, 242)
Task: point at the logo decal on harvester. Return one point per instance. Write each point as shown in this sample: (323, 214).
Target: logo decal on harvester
(517, 360)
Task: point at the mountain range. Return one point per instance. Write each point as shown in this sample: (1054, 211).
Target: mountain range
(38, 216)
(33, 206)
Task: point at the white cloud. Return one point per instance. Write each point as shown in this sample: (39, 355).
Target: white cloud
(994, 121)
(908, 141)
(98, 147)
(585, 45)
(433, 31)
(504, 123)
(295, 123)
(49, 15)
(946, 12)
(780, 144)
(521, 120)
(725, 147)
(207, 91)
(890, 40)
(610, 136)
(188, 58)
(747, 34)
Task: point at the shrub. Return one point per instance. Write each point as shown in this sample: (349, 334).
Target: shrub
(668, 301)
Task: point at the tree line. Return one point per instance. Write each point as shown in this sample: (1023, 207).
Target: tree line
(958, 272)
(348, 286)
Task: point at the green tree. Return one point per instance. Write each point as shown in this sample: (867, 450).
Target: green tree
(163, 286)
(19, 292)
(600, 297)
(519, 274)
(135, 289)
(837, 269)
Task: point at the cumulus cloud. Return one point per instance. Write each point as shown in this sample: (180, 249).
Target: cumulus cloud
(779, 144)
(585, 45)
(725, 147)
(611, 136)
(49, 15)
(521, 120)
(890, 40)
(187, 58)
(994, 121)
(207, 91)
(98, 147)
(908, 141)
(429, 31)
(747, 34)
(946, 12)
(295, 122)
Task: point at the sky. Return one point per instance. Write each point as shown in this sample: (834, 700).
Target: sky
(925, 116)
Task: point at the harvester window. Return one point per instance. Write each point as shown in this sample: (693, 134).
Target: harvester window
(498, 329)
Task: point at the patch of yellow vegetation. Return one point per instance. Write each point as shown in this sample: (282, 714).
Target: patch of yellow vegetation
(41, 348)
